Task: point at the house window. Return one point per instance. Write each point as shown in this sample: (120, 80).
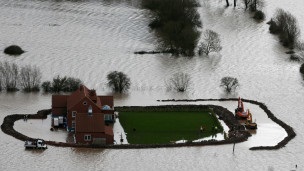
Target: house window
(90, 110)
(73, 124)
(74, 114)
(87, 137)
(84, 103)
(108, 117)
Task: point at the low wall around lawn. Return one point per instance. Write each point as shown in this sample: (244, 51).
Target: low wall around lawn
(228, 117)
(290, 132)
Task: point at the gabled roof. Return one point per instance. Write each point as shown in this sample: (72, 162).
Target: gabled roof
(59, 101)
(106, 100)
(69, 101)
(80, 94)
(93, 123)
(77, 96)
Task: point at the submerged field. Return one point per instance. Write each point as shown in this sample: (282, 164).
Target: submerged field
(165, 127)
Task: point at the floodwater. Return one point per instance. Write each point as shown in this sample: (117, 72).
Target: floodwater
(88, 39)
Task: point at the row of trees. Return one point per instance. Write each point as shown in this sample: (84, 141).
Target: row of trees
(29, 78)
(253, 5)
(12, 77)
(180, 82)
(176, 24)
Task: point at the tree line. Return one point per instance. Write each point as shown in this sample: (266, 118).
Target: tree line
(28, 78)
(12, 78)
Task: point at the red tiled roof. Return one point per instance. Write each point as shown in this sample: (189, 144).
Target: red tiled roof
(83, 92)
(93, 123)
(59, 101)
(77, 96)
(58, 111)
(106, 100)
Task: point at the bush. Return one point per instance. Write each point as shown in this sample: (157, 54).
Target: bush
(13, 50)
(118, 81)
(71, 84)
(302, 68)
(296, 57)
(259, 15)
(273, 27)
(30, 78)
(179, 82)
(46, 86)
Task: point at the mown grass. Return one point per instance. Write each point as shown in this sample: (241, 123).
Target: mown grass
(164, 127)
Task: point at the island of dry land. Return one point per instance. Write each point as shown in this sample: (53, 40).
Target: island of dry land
(236, 132)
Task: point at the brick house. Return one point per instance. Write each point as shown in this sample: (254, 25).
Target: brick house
(86, 114)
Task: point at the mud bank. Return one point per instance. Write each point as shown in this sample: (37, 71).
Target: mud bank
(237, 135)
(290, 132)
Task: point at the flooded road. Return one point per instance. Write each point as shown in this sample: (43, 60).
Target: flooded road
(88, 39)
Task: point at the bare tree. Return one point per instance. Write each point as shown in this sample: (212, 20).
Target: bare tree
(10, 73)
(229, 84)
(212, 43)
(30, 78)
(179, 82)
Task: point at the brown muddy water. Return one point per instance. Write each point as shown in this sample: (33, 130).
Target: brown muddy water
(87, 39)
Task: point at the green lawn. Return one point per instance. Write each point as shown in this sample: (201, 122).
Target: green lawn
(163, 127)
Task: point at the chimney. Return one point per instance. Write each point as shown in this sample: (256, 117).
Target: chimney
(93, 96)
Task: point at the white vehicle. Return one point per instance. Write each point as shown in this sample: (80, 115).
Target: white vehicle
(38, 143)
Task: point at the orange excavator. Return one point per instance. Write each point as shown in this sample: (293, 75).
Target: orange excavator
(240, 113)
(249, 124)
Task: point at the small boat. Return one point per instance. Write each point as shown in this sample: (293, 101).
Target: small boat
(37, 143)
(240, 113)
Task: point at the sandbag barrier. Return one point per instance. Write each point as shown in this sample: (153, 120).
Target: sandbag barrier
(8, 123)
(240, 136)
(290, 132)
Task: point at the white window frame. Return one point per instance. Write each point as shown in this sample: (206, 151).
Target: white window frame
(73, 124)
(74, 114)
(106, 116)
(87, 137)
